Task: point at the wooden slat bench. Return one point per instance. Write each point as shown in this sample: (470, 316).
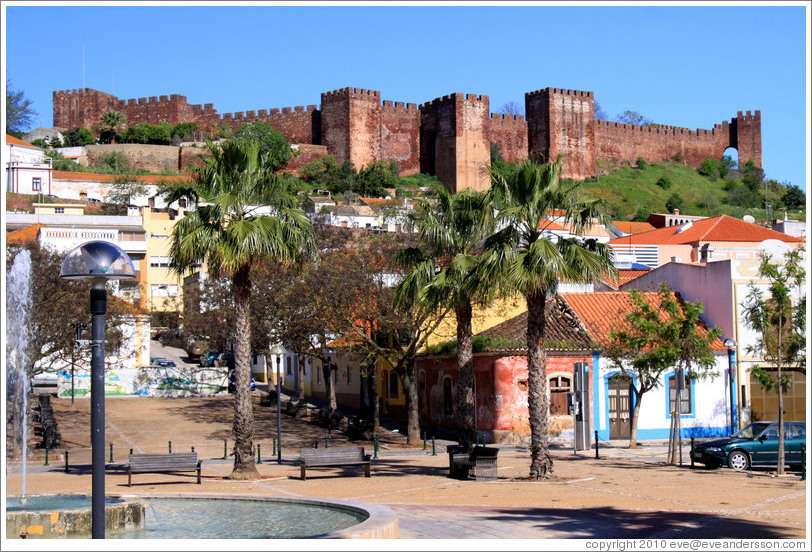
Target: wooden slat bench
(482, 459)
(333, 458)
(163, 463)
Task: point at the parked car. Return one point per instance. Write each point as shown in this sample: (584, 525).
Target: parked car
(755, 445)
(225, 360)
(207, 359)
(232, 382)
(164, 363)
(154, 360)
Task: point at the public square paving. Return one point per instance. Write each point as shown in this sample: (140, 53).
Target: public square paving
(623, 494)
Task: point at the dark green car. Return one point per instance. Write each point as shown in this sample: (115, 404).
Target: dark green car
(755, 445)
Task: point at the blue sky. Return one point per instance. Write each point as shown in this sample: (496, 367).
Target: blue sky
(683, 65)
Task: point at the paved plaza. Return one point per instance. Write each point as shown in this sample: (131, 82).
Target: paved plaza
(624, 494)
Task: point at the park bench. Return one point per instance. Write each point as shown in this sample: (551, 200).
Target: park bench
(163, 463)
(334, 457)
(482, 459)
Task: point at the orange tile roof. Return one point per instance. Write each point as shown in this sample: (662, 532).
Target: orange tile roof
(148, 178)
(629, 227)
(601, 311)
(24, 235)
(17, 142)
(624, 277)
(723, 228)
(551, 225)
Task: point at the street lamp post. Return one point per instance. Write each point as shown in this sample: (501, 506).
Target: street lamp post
(328, 380)
(730, 343)
(278, 350)
(97, 261)
(79, 326)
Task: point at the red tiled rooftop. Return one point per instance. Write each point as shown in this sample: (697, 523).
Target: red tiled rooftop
(601, 312)
(24, 235)
(148, 178)
(624, 277)
(629, 227)
(723, 228)
(17, 142)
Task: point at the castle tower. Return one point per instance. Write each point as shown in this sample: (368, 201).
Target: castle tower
(350, 120)
(81, 108)
(562, 122)
(453, 140)
(745, 136)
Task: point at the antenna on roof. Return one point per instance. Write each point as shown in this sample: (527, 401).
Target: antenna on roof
(83, 64)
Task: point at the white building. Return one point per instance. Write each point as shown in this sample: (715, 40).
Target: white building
(28, 171)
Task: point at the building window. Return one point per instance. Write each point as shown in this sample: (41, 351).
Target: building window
(393, 385)
(288, 369)
(448, 405)
(685, 396)
(349, 374)
(59, 210)
(36, 184)
(318, 376)
(158, 261)
(164, 290)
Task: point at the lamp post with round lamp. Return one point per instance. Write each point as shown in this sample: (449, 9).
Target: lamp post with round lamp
(98, 262)
(278, 350)
(730, 343)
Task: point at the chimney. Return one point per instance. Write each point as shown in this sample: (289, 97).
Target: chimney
(676, 211)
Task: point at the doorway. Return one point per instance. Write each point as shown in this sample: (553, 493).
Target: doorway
(620, 403)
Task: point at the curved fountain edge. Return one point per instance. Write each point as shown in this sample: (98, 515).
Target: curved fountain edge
(381, 522)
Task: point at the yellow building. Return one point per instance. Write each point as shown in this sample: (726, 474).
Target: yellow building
(164, 289)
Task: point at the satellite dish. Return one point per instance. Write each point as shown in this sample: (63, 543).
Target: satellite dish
(776, 249)
(749, 218)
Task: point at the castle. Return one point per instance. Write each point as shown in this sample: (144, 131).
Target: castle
(450, 136)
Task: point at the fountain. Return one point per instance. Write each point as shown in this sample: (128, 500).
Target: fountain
(18, 306)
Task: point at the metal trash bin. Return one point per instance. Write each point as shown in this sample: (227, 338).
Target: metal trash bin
(458, 470)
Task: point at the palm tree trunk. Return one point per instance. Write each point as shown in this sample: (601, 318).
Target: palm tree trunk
(465, 405)
(412, 415)
(244, 467)
(541, 463)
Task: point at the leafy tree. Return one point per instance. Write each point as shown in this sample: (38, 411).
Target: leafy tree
(633, 118)
(183, 131)
(114, 163)
(19, 111)
(496, 153)
(110, 125)
(77, 137)
(230, 236)
(125, 189)
(794, 198)
(446, 272)
(655, 336)
(743, 196)
(523, 259)
(599, 113)
(752, 176)
(511, 108)
(674, 202)
(325, 173)
(779, 319)
(373, 179)
(726, 164)
(710, 168)
(664, 182)
(144, 133)
(273, 145)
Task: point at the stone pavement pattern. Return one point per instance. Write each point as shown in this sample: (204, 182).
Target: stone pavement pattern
(624, 494)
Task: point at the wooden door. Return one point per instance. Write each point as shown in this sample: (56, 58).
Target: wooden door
(620, 419)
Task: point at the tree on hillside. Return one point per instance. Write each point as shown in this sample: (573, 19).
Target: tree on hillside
(654, 337)
(19, 111)
(523, 258)
(229, 236)
(779, 319)
(794, 198)
(375, 178)
(77, 137)
(272, 143)
(446, 272)
(110, 125)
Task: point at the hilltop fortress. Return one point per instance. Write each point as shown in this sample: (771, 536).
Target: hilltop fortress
(450, 136)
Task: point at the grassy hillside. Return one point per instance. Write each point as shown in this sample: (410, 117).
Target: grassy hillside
(633, 193)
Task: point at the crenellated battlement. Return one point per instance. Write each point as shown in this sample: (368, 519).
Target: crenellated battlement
(390, 105)
(561, 92)
(455, 97)
(360, 93)
(756, 116)
(505, 117)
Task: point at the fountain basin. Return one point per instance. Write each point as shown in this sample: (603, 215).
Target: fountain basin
(69, 516)
(182, 516)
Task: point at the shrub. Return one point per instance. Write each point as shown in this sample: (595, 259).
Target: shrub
(674, 202)
(664, 182)
(641, 163)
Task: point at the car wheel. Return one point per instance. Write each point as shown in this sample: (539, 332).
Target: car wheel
(738, 460)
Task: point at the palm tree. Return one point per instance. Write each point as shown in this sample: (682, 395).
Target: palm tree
(110, 124)
(452, 232)
(524, 258)
(230, 233)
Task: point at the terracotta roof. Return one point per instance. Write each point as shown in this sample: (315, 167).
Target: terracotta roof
(723, 228)
(625, 276)
(552, 225)
(629, 227)
(17, 142)
(24, 235)
(148, 178)
(600, 312)
(564, 331)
